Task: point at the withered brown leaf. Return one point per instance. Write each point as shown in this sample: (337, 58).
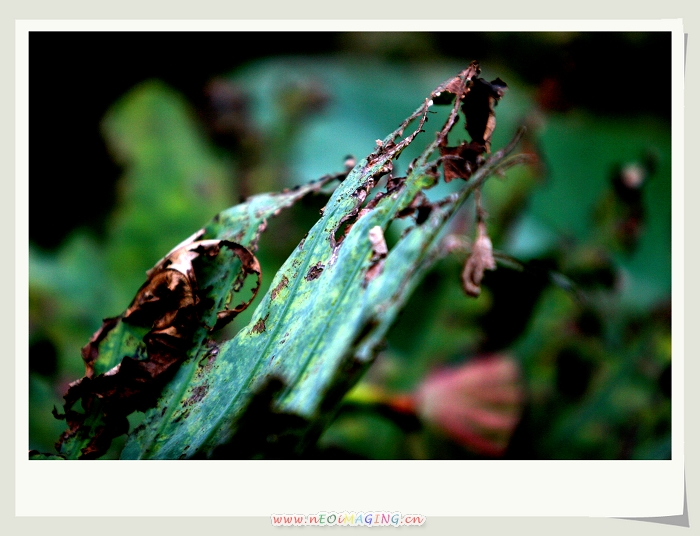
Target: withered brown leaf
(480, 260)
(479, 99)
(461, 161)
(459, 84)
(171, 306)
(478, 109)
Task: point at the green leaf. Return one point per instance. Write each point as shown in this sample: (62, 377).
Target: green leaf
(271, 390)
(34, 455)
(128, 358)
(275, 383)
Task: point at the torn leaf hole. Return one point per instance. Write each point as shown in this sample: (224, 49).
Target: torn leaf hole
(391, 186)
(208, 359)
(259, 326)
(315, 271)
(423, 213)
(364, 202)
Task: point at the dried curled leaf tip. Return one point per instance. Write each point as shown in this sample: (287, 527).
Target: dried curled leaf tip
(480, 260)
(458, 84)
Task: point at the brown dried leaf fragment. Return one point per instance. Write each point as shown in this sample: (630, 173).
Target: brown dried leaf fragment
(461, 161)
(478, 109)
(165, 304)
(172, 307)
(315, 271)
(478, 100)
(480, 260)
(170, 302)
(174, 254)
(259, 326)
(459, 84)
(90, 352)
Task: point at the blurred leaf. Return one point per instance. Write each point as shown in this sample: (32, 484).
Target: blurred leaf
(173, 181)
(582, 152)
(366, 436)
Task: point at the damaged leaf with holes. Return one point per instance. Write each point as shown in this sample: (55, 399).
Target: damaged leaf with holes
(187, 296)
(272, 389)
(176, 307)
(478, 107)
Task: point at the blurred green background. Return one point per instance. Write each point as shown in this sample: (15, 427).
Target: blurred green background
(138, 139)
